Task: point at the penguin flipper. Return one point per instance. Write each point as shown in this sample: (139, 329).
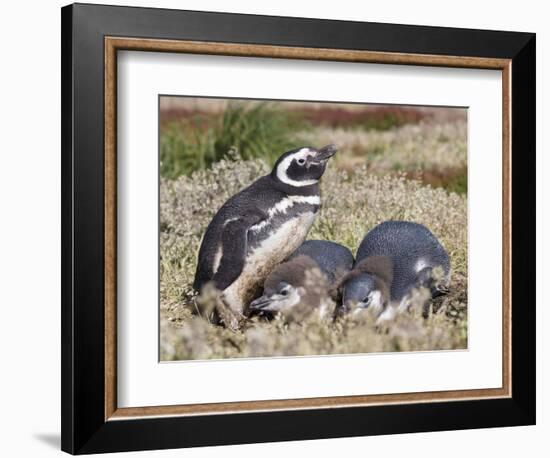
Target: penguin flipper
(234, 248)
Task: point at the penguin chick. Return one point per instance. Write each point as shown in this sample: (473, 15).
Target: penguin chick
(414, 255)
(333, 259)
(295, 289)
(368, 285)
(261, 226)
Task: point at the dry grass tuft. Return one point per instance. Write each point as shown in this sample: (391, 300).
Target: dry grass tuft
(352, 204)
(440, 149)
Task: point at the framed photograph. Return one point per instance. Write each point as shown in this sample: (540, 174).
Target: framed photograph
(284, 228)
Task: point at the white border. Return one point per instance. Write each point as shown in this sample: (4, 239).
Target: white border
(143, 381)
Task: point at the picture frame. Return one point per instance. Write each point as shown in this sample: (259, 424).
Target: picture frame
(92, 35)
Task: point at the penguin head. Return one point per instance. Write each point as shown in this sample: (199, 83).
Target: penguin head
(302, 166)
(293, 289)
(364, 291)
(367, 286)
(279, 298)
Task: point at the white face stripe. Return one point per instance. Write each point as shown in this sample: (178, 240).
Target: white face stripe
(374, 306)
(284, 303)
(285, 164)
(376, 302)
(303, 153)
(283, 205)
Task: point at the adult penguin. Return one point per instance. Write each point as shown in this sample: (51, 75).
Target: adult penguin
(261, 226)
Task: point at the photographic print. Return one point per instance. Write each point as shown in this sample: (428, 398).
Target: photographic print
(334, 205)
(292, 228)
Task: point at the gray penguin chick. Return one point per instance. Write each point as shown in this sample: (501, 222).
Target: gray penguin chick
(304, 282)
(394, 259)
(333, 259)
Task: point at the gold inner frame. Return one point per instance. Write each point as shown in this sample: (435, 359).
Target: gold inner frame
(114, 44)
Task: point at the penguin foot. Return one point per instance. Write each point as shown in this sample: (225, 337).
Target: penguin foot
(228, 317)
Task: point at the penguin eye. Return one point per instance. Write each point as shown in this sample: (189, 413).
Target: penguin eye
(301, 161)
(284, 290)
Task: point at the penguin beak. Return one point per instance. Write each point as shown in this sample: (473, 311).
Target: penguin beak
(261, 303)
(325, 153)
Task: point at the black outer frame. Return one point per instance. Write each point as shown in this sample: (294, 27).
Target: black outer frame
(84, 429)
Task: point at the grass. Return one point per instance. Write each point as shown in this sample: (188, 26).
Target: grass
(452, 179)
(252, 130)
(386, 139)
(375, 118)
(353, 203)
(434, 153)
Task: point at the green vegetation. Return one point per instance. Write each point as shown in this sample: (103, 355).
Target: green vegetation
(458, 182)
(253, 130)
(182, 152)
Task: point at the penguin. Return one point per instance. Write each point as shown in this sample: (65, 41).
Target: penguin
(393, 260)
(289, 289)
(332, 258)
(261, 226)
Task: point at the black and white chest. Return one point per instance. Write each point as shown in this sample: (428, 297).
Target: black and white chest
(287, 220)
(287, 223)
